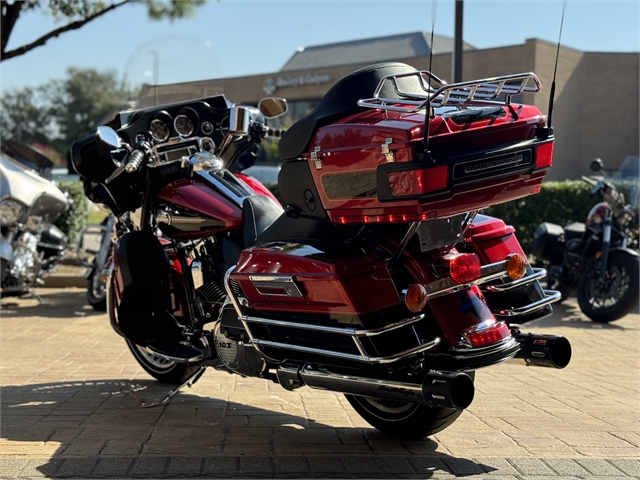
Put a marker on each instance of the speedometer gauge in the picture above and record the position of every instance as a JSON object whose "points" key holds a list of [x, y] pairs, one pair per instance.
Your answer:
{"points": [[183, 125], [159, 130]]}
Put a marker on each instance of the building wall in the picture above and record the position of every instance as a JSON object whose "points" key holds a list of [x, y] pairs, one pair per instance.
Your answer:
{"points": [[595, 113]]}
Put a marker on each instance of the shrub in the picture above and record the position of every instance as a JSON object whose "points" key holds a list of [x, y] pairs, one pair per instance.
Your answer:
{"points": [[73, 220], [558, 202]]}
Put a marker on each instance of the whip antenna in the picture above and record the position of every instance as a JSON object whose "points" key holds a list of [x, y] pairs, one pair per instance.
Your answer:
{"points": [[427, 114], [555, 69]]}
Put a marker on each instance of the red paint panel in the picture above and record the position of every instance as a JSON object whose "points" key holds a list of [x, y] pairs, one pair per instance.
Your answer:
{"points": [[352, 285], [257, 186], [201, 198], [492, 240]]}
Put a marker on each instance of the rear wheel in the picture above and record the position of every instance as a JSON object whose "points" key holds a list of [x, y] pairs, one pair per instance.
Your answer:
{"points": [[612, 298], [403, 419], [163, 370]]}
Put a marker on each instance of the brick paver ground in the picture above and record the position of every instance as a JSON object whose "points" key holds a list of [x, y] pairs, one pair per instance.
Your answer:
{"points": [[67, 411]]}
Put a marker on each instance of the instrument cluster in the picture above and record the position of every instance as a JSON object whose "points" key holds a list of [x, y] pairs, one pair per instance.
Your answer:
{"points": [[181, 129]]}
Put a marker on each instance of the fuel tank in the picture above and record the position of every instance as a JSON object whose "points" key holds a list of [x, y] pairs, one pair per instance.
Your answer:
{"points": [[190, 208]]}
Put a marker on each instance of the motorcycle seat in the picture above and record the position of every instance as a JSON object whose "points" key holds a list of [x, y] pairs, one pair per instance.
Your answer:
{"points": [[574, 230], [341, 101], [259, 213]]}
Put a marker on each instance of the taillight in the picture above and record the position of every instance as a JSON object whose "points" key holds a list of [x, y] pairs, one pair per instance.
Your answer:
{"points": [[544, 155], [461, 267], [418, 181], [486, 333]]}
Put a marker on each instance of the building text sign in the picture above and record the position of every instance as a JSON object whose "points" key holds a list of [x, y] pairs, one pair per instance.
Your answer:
{"points": [[271, 84]]}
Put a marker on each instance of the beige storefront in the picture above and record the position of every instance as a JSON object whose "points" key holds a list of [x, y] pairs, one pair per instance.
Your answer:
{"points": [[597, 104]]}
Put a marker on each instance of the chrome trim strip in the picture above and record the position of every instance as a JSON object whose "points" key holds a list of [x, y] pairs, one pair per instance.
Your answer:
{"points": [[550, 296], [446, 285], [537, 274], [216, 182], [504, 344]]}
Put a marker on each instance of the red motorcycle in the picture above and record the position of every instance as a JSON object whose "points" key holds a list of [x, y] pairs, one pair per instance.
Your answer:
{"points": [[378, 279]]}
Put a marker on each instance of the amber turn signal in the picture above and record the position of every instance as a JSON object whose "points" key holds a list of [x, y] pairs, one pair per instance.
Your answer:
{"points": [[415, 298], [516, 266]]}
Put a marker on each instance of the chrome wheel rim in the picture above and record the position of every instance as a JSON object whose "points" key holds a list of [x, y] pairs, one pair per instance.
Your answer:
{"points": [[153, 361], [606, 293]]}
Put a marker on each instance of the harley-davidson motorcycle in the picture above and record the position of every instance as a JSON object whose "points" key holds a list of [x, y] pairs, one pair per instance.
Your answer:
{"points": [[594, 259], [378, 279], [30, 245]]}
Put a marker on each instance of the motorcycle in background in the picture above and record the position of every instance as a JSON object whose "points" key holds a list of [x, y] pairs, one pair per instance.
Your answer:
{"points": [[30, 245], [94, 252], [593, 258], [378, 280]]}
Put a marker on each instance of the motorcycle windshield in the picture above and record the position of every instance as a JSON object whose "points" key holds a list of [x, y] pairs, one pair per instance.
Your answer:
{"points": [[171, 69], [627, 180]]}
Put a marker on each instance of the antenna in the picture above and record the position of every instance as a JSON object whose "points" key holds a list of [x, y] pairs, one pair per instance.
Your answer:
{"points": [[555, 69], [427, 114]]}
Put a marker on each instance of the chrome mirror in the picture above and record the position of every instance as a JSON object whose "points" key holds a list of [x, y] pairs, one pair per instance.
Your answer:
{"points": [[109, 136], [596, 165], [272, 107]]}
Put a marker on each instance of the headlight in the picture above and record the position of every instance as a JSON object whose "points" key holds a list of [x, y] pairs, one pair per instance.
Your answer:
{"points": [[10, 212]]}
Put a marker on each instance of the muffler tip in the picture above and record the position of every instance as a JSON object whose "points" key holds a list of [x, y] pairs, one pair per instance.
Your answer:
{"points": [[448, 390], [551, 351]]}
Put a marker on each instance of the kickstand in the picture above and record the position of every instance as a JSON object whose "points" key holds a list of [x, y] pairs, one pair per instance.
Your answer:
{"points": [[187, 383], [38, 298]]}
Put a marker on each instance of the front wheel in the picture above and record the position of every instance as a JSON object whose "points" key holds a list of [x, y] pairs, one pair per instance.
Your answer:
{"points": [[97, 291], [403, 419], [163, 370], [612, 298]]}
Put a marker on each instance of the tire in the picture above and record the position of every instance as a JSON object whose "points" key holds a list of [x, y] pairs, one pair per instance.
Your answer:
{"points": [[617, 296], [402, 419], [165, 371], [97, 292]]}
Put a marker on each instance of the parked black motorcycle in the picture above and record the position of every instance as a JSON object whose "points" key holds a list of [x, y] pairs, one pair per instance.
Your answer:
{"points": [[594, 259]]}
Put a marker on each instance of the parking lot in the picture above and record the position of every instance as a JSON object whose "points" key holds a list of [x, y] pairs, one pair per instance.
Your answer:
{"points": [[68, 411]]}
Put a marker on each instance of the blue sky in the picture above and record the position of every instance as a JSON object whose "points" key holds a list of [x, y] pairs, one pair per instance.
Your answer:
{"points": [[236, 37]]}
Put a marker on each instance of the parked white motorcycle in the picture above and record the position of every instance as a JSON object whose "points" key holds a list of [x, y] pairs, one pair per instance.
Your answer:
{"points": [[30, 245]]}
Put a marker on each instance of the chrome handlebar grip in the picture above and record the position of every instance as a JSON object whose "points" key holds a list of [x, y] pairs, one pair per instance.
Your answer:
{"points": [[135, 160]]}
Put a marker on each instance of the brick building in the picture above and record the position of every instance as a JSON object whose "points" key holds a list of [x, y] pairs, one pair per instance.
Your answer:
{"points": [[597, 103]]}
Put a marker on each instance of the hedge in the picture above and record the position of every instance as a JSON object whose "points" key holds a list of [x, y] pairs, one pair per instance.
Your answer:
{"points": [[74, 219], [558, 202]]}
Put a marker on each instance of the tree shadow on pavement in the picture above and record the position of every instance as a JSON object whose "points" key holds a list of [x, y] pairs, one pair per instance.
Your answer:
{"points": [[58, 303], [98, 429]]}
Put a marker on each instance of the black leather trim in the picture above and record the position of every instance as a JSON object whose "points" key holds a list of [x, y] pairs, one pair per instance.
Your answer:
{"points": [[339, 102], [259, 213]]}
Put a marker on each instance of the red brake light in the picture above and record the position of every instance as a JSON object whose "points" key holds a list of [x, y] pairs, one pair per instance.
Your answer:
{"points": [[486, 333], [544, 155], [419, 181], [464, 267]]}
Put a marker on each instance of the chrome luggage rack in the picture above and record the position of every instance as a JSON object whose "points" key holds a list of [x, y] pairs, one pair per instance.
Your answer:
{"points": [[439, 93]]}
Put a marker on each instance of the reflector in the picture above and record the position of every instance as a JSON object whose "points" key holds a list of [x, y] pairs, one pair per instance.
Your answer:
{"points": [[544, 155], [415, 298], [516, 266]]}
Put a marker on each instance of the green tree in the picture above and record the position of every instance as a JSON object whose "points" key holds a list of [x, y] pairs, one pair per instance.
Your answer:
{"points": [[78, 103], [76, 13], [24, 117]]}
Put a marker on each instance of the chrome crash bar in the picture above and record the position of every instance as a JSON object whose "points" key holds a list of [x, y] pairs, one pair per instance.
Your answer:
{"points": [[355, 334]]}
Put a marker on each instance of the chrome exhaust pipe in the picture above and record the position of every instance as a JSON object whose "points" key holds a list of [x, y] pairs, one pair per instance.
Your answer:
{"points": [[551, 351], [438, 389]]}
